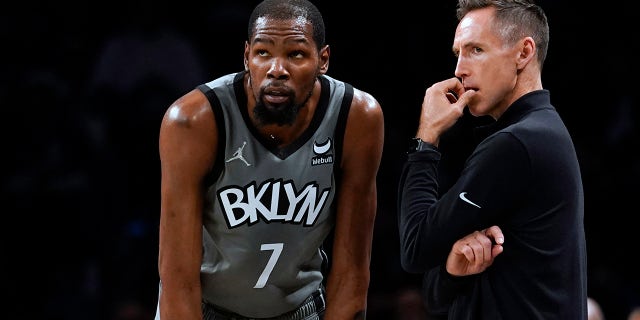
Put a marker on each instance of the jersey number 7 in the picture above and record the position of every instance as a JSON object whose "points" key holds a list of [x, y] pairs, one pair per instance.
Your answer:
{"points": [[277, 250]]}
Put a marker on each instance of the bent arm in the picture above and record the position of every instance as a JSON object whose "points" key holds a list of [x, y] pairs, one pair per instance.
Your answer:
{"points": [[187, 151], [493, 181], [469, 256], [348, 281]]}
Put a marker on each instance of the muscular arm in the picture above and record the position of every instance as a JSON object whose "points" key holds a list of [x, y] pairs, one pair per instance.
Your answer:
{"points": [[187, 151], [348, 280]]}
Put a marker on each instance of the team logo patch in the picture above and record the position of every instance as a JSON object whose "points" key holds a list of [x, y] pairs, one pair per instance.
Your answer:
{"points": [[238, 155], [322, 152]]}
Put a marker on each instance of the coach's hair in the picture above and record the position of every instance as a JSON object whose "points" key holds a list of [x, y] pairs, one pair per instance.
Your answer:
{"points": [[515, 19]]}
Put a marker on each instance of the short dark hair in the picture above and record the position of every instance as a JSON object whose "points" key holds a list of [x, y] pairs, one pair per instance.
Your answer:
{"points": [[515, 19], [290, 9]]}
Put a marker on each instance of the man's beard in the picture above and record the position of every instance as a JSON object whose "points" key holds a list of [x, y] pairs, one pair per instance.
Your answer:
{"points": [[284, 115]]}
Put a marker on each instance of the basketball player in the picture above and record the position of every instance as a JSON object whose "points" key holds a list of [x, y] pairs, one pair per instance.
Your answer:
{"points": [[258, 167]]}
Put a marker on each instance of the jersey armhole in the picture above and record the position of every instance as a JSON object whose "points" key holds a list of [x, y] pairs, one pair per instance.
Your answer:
{"points": [[341, 125], [218, 165]]}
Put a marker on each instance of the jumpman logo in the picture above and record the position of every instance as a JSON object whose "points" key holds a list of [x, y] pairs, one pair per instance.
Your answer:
{"points": [[238, 155]]}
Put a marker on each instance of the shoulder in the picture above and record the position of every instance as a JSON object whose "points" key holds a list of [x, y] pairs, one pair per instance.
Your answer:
{"points": [[365, 125], [191, 111], [188, 136], [363, 139], [365, 106], [362, 103]]}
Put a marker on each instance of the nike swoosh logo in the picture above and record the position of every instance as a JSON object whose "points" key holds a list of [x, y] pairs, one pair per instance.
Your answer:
{"points": [[321, 148], [464, 198]]}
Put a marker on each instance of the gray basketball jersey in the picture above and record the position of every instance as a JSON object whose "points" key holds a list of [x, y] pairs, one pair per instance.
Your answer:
{"points": [[268, 210]]}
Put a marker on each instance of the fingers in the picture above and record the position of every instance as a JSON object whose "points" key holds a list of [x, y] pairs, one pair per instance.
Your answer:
{"points": [[451, 85], [452, 97], [496, 250], [465, 97], [482, 246], [495, 233], [475, 252], [440, 109], [454, 92], [476, 247]]}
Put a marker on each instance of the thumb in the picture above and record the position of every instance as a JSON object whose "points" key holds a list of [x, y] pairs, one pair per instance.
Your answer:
{"points": [[466, 97]]}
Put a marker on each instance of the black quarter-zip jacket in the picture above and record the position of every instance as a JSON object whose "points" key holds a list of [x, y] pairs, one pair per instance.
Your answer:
{"points": [[523, 177]]}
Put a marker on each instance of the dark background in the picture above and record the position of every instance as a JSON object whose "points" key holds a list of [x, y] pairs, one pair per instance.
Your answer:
{"points": [[84, 87]]}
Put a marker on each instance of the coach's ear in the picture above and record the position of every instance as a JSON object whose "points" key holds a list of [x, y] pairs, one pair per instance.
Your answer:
{"points": [[526, 52]]}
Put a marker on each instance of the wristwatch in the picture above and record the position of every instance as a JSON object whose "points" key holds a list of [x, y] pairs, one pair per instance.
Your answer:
{"points": [[416, 144]]}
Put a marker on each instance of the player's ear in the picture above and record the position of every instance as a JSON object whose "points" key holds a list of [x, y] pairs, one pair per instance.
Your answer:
{"points": [[246, 56], [325, 52]]}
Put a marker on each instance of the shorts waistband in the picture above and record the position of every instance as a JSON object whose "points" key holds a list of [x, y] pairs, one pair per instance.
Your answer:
{"points": [[311, 309]]}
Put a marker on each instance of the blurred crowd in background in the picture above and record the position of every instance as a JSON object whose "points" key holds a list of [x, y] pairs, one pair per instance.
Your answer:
{"points": [[84, 86]]}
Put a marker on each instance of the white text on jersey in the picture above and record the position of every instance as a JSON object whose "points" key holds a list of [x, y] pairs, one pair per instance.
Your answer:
{"points": [[243, 204]]}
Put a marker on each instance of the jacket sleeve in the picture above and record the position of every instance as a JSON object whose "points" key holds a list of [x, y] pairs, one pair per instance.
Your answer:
{"points": [[495, 178], [417, 191], [440, 289]]}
